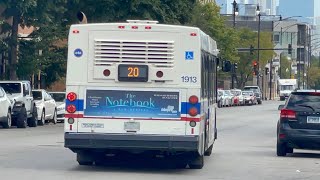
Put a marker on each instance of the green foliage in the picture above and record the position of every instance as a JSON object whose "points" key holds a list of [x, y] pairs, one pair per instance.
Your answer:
{"points": [[207, 18], [285, 66], [313, 73], [245, 68]]}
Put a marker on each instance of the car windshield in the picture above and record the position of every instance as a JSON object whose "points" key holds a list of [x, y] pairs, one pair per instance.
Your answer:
{"points": [[286, 87], [58, 97], [11, 88], [254, 89], [227, 93], [220, 93], [37, 95], [304, 101]]}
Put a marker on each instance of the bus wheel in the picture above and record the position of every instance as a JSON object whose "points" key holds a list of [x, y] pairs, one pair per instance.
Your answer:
{"points": [[197, 162], [84, 158], [208, 152]]}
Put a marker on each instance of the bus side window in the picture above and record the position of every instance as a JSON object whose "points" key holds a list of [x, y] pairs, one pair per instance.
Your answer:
{"points": [[202, 75]]}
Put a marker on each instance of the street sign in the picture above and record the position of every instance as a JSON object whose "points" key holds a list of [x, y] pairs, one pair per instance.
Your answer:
{"points": [[278, 52]]}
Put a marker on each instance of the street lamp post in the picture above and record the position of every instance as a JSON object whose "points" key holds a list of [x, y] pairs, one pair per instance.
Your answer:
{"points": [[235, 13], [258, 60]]}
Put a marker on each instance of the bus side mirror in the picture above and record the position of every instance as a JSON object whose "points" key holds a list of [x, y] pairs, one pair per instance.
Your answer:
{"points": [[82, 17]]}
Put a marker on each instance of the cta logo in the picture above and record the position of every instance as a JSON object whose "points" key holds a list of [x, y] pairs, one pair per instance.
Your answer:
{"points": [[78, 53]]}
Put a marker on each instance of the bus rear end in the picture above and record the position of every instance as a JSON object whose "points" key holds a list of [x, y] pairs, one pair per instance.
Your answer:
{"points": [[133, 87]]}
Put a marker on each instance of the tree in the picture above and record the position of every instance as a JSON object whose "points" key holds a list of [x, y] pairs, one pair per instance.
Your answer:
{"points": [[207, 18], [245, 67], [16, 10], [313, 73], [165, 11], [285, 66]]}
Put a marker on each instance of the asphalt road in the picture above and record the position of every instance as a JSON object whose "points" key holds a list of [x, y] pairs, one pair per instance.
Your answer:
{"points": [[245, 150]]}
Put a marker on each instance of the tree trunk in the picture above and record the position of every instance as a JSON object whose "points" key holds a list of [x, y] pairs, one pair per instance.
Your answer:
{"points": [[14, 47]]}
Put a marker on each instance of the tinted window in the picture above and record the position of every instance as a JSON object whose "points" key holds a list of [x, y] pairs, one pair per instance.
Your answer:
{"points": [[11, 87], [254, 89], [58, 97], [304, 102], [37, 95]]}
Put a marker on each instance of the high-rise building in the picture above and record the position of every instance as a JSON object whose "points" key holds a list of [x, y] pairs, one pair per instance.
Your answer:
{"points": [[225, 5], [272, 6]]}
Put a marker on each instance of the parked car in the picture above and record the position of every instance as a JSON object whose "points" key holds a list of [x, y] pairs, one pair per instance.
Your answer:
{"points": [[249, 98], [299, 123], [5, 109], [225, 99], [229, 97], [46, 107], [24, 111], [238, 97], [257, 92], [60, 98]]}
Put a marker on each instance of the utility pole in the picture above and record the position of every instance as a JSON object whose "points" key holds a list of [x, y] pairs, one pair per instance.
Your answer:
{"points": [[270, 81], [259, 29], [234, 4]]}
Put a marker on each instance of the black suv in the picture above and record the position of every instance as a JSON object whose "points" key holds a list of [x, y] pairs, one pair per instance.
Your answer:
{"points": [[299, 124]]}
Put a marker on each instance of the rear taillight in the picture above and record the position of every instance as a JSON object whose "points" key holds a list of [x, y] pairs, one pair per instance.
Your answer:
{"points": [[72, 96], [193, 99], [287, 113], [193, 111], [71, 108]]}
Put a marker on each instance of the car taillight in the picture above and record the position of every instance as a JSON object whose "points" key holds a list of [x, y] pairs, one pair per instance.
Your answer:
{"points": [[287, 113], [72, 96], [71, 108], [193, 111], [193, 99]]}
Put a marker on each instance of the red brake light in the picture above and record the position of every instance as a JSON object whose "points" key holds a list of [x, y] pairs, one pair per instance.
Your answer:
{"points": [[75, 31], [193, 99], [72, 96], [71, 108], [121, 27], [134, 27], [193, 111], [106, 72], [148, 27], [159, 74], [287, 113], [193, 34]]}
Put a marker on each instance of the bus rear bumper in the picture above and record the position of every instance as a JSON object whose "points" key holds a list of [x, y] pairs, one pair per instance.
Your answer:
{"points": [[90, 141]]}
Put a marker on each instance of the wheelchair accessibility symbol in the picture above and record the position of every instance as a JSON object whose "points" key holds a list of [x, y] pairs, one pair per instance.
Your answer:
{"points": [[189, 55]]}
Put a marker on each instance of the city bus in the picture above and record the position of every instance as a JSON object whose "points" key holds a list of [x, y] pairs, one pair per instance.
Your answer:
{"points": [[141, 87]]}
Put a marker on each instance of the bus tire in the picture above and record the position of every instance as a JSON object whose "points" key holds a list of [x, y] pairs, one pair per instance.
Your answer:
{"points": [[84, 159], [208, 152], [197, 162]]}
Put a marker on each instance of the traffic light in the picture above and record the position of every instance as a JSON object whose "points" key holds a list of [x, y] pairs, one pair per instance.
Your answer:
{"points": [[267, 71], [251, 49], [235, 66], [226, 66], [255, 67], [289, 49]]}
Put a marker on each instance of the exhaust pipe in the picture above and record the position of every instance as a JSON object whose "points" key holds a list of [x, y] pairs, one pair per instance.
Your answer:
{"points": [[82, 18]]}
